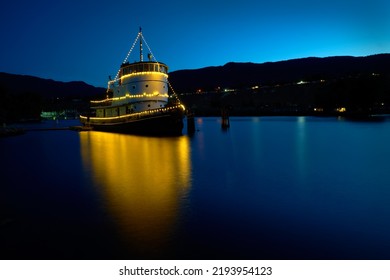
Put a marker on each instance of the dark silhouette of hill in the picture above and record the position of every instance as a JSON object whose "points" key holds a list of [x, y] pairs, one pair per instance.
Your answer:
{"points": [[239, 75], [330, 83], [24, 97], [354, 86], [47, 88]]}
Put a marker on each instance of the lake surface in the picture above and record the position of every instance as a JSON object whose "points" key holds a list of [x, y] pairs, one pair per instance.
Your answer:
{"points": [[266, 188]]}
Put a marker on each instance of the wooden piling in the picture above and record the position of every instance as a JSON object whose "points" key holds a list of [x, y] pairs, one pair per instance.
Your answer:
{"points": [[225, 118], [190, 122]]}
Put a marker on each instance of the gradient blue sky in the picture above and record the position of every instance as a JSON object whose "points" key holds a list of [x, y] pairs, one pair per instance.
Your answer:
{"points": [[80, 40]]}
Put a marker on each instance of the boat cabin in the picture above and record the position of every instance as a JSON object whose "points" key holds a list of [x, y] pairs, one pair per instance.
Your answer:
{"points": [[142, 67]]}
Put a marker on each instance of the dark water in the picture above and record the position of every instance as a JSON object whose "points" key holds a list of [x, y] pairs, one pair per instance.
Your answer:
{"points": [[267, 188]]}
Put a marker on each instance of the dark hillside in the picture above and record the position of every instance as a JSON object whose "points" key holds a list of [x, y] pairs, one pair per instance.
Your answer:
{"points": [[361, 85], [238, 75], [24, 97]]}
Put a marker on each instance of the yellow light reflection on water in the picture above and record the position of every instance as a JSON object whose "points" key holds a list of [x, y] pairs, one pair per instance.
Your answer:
{"points": [[143, 181]]}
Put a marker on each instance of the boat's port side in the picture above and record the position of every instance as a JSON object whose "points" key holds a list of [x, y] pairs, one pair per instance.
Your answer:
{"points": [[90, 120]]}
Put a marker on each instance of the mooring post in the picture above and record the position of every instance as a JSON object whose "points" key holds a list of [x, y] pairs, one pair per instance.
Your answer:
{"points": [[225, 118], [190, 122]]}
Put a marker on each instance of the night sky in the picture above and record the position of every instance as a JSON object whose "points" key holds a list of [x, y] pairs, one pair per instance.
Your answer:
{"points": [[79, 40]]}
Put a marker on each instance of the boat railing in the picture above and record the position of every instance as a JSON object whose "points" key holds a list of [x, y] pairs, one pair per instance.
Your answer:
{"points": [[101, 103], [154, 112], [141, 67], [136, 116]]}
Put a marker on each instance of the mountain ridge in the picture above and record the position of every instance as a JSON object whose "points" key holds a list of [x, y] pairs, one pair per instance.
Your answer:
{"points": [[24, 96], [231, 74], [239, 74], [358, 83], [17, 84]]}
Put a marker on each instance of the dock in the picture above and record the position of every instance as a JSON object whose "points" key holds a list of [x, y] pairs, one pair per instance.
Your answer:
{"points": [[81, 128], [12, 131], [75, 128]]}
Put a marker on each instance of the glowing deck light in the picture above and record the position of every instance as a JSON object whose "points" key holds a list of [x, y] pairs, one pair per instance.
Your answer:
{"points": [[134, 115], [144, 95], [341, 109]]}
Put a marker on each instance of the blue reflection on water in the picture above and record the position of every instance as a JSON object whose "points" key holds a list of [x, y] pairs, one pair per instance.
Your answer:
{"points": [[266, 188], [293, 188]]}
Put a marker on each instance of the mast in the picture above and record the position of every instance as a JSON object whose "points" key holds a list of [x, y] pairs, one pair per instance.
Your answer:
{"points": [[141, 56]]}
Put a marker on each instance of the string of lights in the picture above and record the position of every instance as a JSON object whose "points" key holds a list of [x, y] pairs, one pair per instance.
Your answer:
{"points": [[140, 114], [128, 54], [174, 93], [145, 73], [129, 96], [146, 43], [140, 37]]}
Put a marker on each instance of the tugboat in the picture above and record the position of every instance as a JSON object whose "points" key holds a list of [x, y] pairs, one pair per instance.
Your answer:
{"points": [[137, 100]]}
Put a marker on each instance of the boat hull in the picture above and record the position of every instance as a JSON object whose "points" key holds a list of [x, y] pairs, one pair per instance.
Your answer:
{"points": [[162, 124]]}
